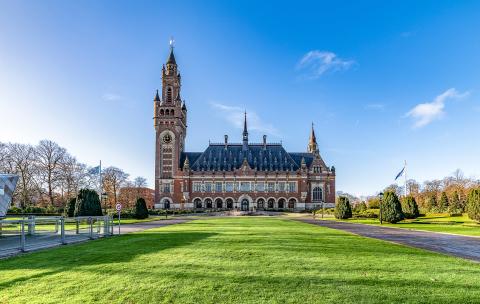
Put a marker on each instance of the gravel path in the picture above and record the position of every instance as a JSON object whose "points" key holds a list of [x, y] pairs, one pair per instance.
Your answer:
{"points": [[456, 245]]}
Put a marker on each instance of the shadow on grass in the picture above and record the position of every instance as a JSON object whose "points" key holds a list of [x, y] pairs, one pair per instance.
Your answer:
{"points": [[103, 251]]}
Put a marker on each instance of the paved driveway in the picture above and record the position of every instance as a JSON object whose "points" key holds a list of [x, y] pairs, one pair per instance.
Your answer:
{"points": [[456, 245]]}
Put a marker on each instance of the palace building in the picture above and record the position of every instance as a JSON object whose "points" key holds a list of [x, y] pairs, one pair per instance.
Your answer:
{"points": [[242, 176]]}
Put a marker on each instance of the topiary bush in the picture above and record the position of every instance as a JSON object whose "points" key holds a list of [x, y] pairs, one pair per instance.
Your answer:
{"points": [[391, 208], [141, 211], [88, 203], [410, 207], [70, 208], [473, 204], [343, 209]]}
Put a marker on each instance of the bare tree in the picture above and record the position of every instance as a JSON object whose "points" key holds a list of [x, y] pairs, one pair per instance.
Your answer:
{"points": [[49, 159], [22, 160], [139, 182], [413, 187], [113, 179]]}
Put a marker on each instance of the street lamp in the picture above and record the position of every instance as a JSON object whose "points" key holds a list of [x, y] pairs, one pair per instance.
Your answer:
{"points": [[380, 195]]}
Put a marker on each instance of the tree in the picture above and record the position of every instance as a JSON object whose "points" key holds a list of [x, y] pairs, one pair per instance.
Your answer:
{"points": [[49, 157], [473, 204], [373, 203], [22, 161], [88, 203], [431, 203], [70, 209], [410, 207], [455, 206], [413, 187], [443, 204], [391, 208], [139, 182], [394, 188], [342, 208], [141, 211], [360, 207], [113, 179]]}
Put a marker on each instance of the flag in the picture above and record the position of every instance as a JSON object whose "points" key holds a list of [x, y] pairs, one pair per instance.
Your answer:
{"points": [[94, 170], [400, 173]]}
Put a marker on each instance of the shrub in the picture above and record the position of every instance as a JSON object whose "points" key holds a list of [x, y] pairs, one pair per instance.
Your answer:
{"points": [[391, 208], [342, 208], [360, 207], [141, 211], [70, 209], [373, 203], [88, 203], [431, 203], [455, 207], [410, 207], [369, 214], [473, 204], [443, 204]]}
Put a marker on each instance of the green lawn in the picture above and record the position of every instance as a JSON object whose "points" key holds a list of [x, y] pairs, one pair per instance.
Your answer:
{"points": [[238, 260], [431, 222]]}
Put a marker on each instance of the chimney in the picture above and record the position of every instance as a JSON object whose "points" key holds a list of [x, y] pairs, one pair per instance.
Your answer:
{"points": [[226, 142], [264, 141]]}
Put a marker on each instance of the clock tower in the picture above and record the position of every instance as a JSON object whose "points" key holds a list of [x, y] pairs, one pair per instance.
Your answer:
{"points": [[170, 122]]}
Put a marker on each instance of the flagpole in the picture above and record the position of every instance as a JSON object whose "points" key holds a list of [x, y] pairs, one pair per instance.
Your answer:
{"points": [[100, 175], [405, 178]]}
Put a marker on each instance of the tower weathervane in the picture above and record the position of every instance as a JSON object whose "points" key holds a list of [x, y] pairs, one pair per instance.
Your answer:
{"points": [[172, 42]]}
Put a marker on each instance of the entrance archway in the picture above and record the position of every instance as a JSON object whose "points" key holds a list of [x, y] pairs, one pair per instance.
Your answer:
{"points": [[198, 203], [281, 203], [208, 203], [244, 206], [229, 202], [291, 203], [260, 204], [218, 203]]}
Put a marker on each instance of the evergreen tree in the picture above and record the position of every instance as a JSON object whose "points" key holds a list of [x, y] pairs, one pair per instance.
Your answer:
{"points": [[88, 203], [70, 209], [391, 208], [141, 211], [342, 208], [443, 204], [455, 206], [410, 207], [473, 204], [431, 203]]}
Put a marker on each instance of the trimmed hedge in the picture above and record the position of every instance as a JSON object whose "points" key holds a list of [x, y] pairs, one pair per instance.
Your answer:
{"points": [[141, 211], [88, 203], [473, 204]]}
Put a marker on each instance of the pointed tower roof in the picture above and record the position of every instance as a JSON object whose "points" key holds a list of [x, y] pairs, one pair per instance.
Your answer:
{"points": [[157, 97], [245, 133], [312, 143], [171, 57]]}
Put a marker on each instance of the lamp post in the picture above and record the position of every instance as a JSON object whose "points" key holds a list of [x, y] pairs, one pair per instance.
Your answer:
{"points": [[380, 195]]}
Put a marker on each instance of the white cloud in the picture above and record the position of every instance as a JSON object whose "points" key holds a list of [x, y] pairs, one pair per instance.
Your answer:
{"points": [[235, 116], [375, 106], [111, 97], [425, 113], [315, 63]]}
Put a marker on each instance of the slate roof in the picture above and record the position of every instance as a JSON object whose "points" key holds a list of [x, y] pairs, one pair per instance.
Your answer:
{"points": [[272, 157]]}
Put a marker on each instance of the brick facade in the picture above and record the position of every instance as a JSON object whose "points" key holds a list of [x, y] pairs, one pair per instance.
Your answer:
{"points": [[244, 176]]}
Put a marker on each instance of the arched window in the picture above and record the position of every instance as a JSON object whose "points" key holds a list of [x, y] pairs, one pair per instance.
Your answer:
{"points": [[198, 203], [208, 203], [229, 203], [169, 94], [261, 203], [281, 203], [162, 112], [167, 112], [291, 203], [219, 203], [271, 203], [317, 194], [172, 112]]}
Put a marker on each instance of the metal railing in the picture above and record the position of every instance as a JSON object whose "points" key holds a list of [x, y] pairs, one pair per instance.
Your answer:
{"points": [[32, 232]]}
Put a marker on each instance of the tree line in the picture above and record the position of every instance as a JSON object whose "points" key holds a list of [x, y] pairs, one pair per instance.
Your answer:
{"points": [[49, 176]]}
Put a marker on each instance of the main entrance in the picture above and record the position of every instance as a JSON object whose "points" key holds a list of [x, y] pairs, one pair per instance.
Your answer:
{"points": [[244, 206]]}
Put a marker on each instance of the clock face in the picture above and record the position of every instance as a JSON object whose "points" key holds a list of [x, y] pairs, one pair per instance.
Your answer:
{"points": [[167, 138]]}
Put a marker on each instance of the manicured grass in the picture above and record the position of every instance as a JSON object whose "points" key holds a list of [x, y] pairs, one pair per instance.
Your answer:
{"points": [[238, 260], [439, 222]]}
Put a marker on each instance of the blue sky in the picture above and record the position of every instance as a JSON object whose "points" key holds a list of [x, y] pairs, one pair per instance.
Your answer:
{"points": [[383, 81]]}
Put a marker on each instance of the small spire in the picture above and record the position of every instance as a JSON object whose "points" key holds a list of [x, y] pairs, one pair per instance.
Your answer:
{"points": [[157, 97], [171, 57], [312, 143], [245, 134]]}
